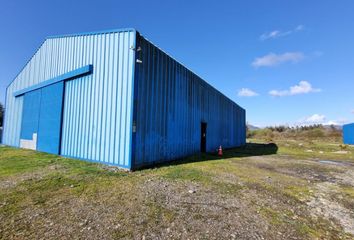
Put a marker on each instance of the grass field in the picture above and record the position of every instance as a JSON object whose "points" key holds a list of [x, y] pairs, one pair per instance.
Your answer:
{"points": [[289, 190]]}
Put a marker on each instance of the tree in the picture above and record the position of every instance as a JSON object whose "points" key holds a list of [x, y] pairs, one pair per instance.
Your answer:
{"points": [[1, 114]]}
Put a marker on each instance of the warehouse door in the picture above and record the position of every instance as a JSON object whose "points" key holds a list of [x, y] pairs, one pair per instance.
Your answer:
{"points": [[30, 117], [41, 119], [49, 127], [203, 137]]}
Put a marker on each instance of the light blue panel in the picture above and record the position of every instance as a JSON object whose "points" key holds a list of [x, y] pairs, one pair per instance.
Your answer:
{"points": [[348, 134], [170, 104], [49, 126], [13, 118], [30, 114], [97, 117]]}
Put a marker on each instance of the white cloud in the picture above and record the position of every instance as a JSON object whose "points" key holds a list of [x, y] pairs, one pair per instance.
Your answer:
{"points": [[302, 88], [277, 93], [340, 121], [315, 118], [277, 33], [246, 92], [320, 119], [273, 34], [353, 111], [310, 120], [299, 28], [273, 59]]}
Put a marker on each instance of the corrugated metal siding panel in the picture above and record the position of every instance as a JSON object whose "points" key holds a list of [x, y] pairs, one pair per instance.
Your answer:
{"points": [[97, 111], [171, 104], [13, 117], [348, 134], [97, 114]]}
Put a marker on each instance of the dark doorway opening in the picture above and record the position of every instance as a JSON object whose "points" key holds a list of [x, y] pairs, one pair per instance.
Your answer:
{"points": [[203, 128]]}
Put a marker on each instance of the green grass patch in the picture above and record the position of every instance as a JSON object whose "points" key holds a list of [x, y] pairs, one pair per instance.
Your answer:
{"points": [[186, 173], [16, 161], [299, 192]]}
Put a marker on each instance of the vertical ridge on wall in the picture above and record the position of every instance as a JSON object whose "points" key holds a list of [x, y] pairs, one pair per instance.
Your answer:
{"points": [[171, 104]]}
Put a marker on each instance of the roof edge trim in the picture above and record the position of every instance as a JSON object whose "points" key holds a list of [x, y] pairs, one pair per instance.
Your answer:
{"points": [[93, 33]]}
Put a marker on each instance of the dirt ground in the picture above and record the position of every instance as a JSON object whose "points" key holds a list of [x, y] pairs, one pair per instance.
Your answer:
{"points": [[288, 190]]}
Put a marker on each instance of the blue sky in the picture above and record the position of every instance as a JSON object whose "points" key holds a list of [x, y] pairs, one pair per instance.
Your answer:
{"points": [[285, 62]]}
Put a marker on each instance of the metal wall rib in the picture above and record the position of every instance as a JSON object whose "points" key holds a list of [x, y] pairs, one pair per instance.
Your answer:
{"points": [[97, 108], [171, 102]]}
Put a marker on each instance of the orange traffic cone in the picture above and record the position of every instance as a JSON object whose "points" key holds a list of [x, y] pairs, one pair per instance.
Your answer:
{"points": [[220, 151]]}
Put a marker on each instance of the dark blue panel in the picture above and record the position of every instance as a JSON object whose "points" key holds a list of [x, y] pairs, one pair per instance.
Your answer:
{"points": [[30, 114], [170, 103], [348, 134], [50, 118]]}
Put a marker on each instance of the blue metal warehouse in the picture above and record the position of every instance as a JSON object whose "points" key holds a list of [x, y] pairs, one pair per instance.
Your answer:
{"points": [[115, 98], [348, 134]]}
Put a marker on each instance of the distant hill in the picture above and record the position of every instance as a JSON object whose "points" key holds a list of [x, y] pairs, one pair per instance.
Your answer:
{"points": [[251, 127], [337, 127]]}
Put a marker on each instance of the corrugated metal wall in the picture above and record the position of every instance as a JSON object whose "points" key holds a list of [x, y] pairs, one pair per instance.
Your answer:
{"points": [[348, 134], [98, 107], [170, 104]]}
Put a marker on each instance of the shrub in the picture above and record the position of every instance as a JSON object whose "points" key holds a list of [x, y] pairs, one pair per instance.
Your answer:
{"points": [[303, 133]]}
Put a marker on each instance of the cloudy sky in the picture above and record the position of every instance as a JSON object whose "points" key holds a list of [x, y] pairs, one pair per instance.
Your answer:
{"points": [[285, 62]]}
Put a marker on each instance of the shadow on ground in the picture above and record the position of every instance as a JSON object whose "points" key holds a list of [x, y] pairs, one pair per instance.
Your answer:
{"points": [[248, 150]]}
